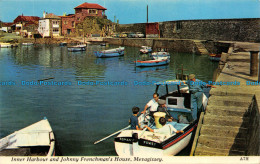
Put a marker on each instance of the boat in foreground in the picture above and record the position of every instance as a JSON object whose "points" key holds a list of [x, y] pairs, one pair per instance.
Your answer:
{"points": [[34, 140], [146, 143], [110, 53], [80, 47], [150, 63]]}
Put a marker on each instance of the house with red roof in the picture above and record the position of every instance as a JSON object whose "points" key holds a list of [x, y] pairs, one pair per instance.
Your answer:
{"points": [[26, 23], [81, 12]]}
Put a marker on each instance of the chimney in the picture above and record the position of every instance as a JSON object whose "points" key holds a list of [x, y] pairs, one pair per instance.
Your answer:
{"points": [[44, 14]]}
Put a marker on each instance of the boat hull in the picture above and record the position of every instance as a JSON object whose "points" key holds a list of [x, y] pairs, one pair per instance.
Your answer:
{"points": [[110, 53], [214, 58], [127, 145], [145, 50], [151, 63], [35, 140], [7, 45], [75, 49], [27, 44]]}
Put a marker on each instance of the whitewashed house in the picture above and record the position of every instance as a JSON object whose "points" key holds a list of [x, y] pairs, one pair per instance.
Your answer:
{"points": [[50, 25]]}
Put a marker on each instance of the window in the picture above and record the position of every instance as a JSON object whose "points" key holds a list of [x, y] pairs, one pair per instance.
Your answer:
{"points": [[178, 25], [73, 24], [55, 30], [92, 11]]}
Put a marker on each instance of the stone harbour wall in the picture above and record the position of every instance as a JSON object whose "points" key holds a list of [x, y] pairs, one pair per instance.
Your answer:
{"points": [[245, 30], [253, 137], [219, 29]]}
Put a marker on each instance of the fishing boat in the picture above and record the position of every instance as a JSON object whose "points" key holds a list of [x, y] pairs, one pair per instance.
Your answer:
{"points": [[142, 142], [110, 53], [150, 63], [27, 44], [79, 47], [34, 140], [145, 49], [214, 57]]}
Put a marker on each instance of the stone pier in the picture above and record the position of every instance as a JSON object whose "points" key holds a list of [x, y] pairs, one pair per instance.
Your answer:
{"points": [[231, 123]]}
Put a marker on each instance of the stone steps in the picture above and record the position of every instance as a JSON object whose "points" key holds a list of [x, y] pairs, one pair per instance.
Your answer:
{"points": [[201, 48], [224, 131], [230, 101], [227, 110], [202, 150], [237, 144], [234, 121]]}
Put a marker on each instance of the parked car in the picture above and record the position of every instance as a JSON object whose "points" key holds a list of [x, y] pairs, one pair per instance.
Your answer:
{"points": [[123, 35], [131, 35], [115, 35], [139, 35]]}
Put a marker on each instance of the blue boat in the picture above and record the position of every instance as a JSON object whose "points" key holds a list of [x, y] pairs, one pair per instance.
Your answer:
{"points": [[151, 63], [110, 53]]}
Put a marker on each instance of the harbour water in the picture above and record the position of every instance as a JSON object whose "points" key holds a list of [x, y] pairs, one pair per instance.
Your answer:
{"points": [[84, 98]]}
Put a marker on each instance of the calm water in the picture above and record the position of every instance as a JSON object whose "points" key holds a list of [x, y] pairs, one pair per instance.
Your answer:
{"points": [[81, 114]]}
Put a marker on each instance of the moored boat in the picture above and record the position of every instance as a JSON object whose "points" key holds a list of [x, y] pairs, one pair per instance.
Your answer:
{"points": [[145, 49], [161, 52], [214, 57], [35, 140], [141, 142], [27, 44], [151, 63], [110, 53], [8, 45], [63, 44], [80, 47]]}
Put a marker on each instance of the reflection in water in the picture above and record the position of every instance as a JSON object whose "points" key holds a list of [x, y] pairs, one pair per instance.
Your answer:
{"points": [[82, 114]]}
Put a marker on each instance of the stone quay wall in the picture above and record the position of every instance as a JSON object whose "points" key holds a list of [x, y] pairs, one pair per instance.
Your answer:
{"points": [[245, 30], [253, 137]]}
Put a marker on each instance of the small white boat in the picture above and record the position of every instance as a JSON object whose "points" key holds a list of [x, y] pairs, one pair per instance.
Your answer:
{"points": [[81, 47], [110, 53], [34, 140], [27, 44], [146, 143], [145, 49], [160, 54], [8, 45]]}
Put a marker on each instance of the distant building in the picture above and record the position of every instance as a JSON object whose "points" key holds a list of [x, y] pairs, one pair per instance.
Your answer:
{"points": [[50, 25], [6, 27], [152, 30], [29, 23], [81, 12]]}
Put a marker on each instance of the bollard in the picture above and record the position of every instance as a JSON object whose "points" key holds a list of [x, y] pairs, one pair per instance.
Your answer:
{"points": [[254, 63]]}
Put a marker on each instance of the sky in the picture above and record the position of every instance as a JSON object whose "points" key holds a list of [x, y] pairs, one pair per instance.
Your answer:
{"points": [[134, 11]]}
